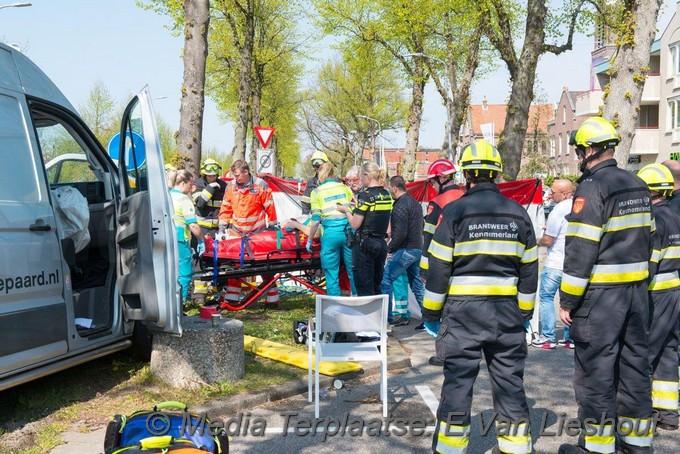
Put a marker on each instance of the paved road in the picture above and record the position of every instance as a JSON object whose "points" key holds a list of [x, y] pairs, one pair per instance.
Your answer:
{"points": [[413, 396]]}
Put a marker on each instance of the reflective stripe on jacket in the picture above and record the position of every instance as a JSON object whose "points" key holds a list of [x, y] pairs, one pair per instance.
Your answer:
{"points": [[484, 246], [434, 212], [325, 198], [608, 239], [183, 214]]}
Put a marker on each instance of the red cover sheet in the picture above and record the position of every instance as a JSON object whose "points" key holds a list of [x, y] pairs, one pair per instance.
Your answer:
{"points": [[261, 244]]}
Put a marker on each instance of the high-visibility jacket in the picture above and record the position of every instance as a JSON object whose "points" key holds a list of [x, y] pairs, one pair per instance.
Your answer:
{"points": [[324, 200], [208, 200], [247, 207], [609, 237], [183, 214], [665, 262], [432, 218], [484, 246]]}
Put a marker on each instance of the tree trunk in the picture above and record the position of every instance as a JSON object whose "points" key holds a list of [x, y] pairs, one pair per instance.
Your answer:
{"points": [[628, 71], [415, 113], [189, 137], [246, 54], [256, 115], [523, 75]]}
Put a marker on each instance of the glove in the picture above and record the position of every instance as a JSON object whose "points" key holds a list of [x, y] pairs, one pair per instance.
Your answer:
{"points": [[200, 248], [215, 185], [309, 246], [432, 327]]}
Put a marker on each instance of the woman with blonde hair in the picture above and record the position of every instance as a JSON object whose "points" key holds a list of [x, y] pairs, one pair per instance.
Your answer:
{"points": [[186, 223], [370, 220], [326, 200]]}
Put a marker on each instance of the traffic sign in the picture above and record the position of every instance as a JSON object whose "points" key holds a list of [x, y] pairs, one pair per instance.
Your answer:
{"points": [[265, 160], [140, 150], [264, 135]]}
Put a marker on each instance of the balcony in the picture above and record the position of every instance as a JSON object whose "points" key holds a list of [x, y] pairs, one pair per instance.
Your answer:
{"points": [[588, 103], [646, 141], [651, 93]]}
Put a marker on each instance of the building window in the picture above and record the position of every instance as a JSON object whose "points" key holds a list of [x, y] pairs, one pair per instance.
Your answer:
{"points": [[552, 147], [674, 61], [564, 114], [559, 151], [567, 147], [673, 114]]}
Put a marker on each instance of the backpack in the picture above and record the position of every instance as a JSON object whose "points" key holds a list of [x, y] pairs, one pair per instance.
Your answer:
{"points": [[163, 430]]}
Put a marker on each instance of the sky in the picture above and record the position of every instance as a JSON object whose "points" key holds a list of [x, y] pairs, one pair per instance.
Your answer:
{"points": [[79, 42]]}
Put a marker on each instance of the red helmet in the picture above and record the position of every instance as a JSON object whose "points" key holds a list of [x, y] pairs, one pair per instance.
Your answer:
{"points": [[442, 168]]}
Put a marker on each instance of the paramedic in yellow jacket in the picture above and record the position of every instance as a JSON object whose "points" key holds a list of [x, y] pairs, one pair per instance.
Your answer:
{"points": [[247, 207], [184, 217], [481, 284], [325, 199]]}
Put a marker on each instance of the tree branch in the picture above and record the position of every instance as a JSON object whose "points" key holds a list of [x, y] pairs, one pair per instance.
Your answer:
{"points": [[572, 26]]}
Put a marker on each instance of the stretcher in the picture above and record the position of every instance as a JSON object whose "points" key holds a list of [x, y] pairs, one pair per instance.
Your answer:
{"points": [[270, 254]]}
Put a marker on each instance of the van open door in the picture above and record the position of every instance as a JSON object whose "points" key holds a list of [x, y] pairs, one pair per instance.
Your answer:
{"points": [[145, 241]]}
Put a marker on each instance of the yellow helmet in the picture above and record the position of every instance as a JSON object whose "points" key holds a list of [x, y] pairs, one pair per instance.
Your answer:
{"points": [[596, 131], [657, 177], [318, 158], [481, 155], [211, 167]]}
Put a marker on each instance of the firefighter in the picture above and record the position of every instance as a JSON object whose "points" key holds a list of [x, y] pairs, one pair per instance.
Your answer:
{"points": [[483, 273], [208, 196], [318, 158], [246, 208], [603, 296], [664, 294], [370, 219], [442, 173]]}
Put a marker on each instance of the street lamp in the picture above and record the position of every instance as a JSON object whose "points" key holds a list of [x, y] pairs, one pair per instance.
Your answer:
{"points": [[449, 94], [382, 142], [16, 5]]}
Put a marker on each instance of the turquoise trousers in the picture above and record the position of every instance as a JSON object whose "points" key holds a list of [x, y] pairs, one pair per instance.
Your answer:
{"points": [[185, 271], [333, 249]]}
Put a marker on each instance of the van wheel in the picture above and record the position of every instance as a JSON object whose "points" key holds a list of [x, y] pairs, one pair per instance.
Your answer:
{"points": [[141, 342]]}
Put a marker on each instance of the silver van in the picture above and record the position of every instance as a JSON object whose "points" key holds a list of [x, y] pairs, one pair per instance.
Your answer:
{"points": [[62, 305]]}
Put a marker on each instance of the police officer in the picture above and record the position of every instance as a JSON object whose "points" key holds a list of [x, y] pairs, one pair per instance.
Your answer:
{"points": [[318, 158], [370, 220], [603, 296], [664, 293], [483, 273], [442, 173], [208, 196]]}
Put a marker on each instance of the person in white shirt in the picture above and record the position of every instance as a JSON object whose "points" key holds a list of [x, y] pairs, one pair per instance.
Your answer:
{"points": [[553, 237]]}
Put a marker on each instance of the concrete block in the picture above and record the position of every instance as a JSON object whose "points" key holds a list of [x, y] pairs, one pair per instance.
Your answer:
{"points": [[204, 354]]}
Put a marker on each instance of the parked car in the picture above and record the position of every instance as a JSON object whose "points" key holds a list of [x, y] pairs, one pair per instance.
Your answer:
{"points": [[60, 307]]}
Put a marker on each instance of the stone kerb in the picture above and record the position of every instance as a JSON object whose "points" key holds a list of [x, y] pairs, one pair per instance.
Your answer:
{"points": [[204, 354]]}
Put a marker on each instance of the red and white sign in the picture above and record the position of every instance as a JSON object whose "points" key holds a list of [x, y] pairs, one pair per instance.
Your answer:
{"points": [[264, 135]]}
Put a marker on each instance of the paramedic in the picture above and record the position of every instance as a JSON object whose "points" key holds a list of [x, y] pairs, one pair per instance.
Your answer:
{"points": [[246, 208], [603, 296], [208, 196], [318, 158], [325, 199], [370, 220], [664, 295], [185, 224], [482, 284]]}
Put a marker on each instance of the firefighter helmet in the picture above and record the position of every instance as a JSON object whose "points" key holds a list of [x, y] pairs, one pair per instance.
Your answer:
{"points": [[210, 167], [596, 131], [442, 168], [657, 177], [318, 158], [481, 155]]}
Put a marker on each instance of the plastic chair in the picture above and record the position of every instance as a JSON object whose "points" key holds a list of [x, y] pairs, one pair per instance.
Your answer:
{"points": [[338, 314]]}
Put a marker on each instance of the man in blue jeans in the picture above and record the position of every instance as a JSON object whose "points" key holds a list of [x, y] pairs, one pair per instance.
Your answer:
{"points": [[405, 247], [553, 237]]}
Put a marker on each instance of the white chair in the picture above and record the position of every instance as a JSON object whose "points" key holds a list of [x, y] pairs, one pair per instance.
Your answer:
{"points": [[338, 314]]}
